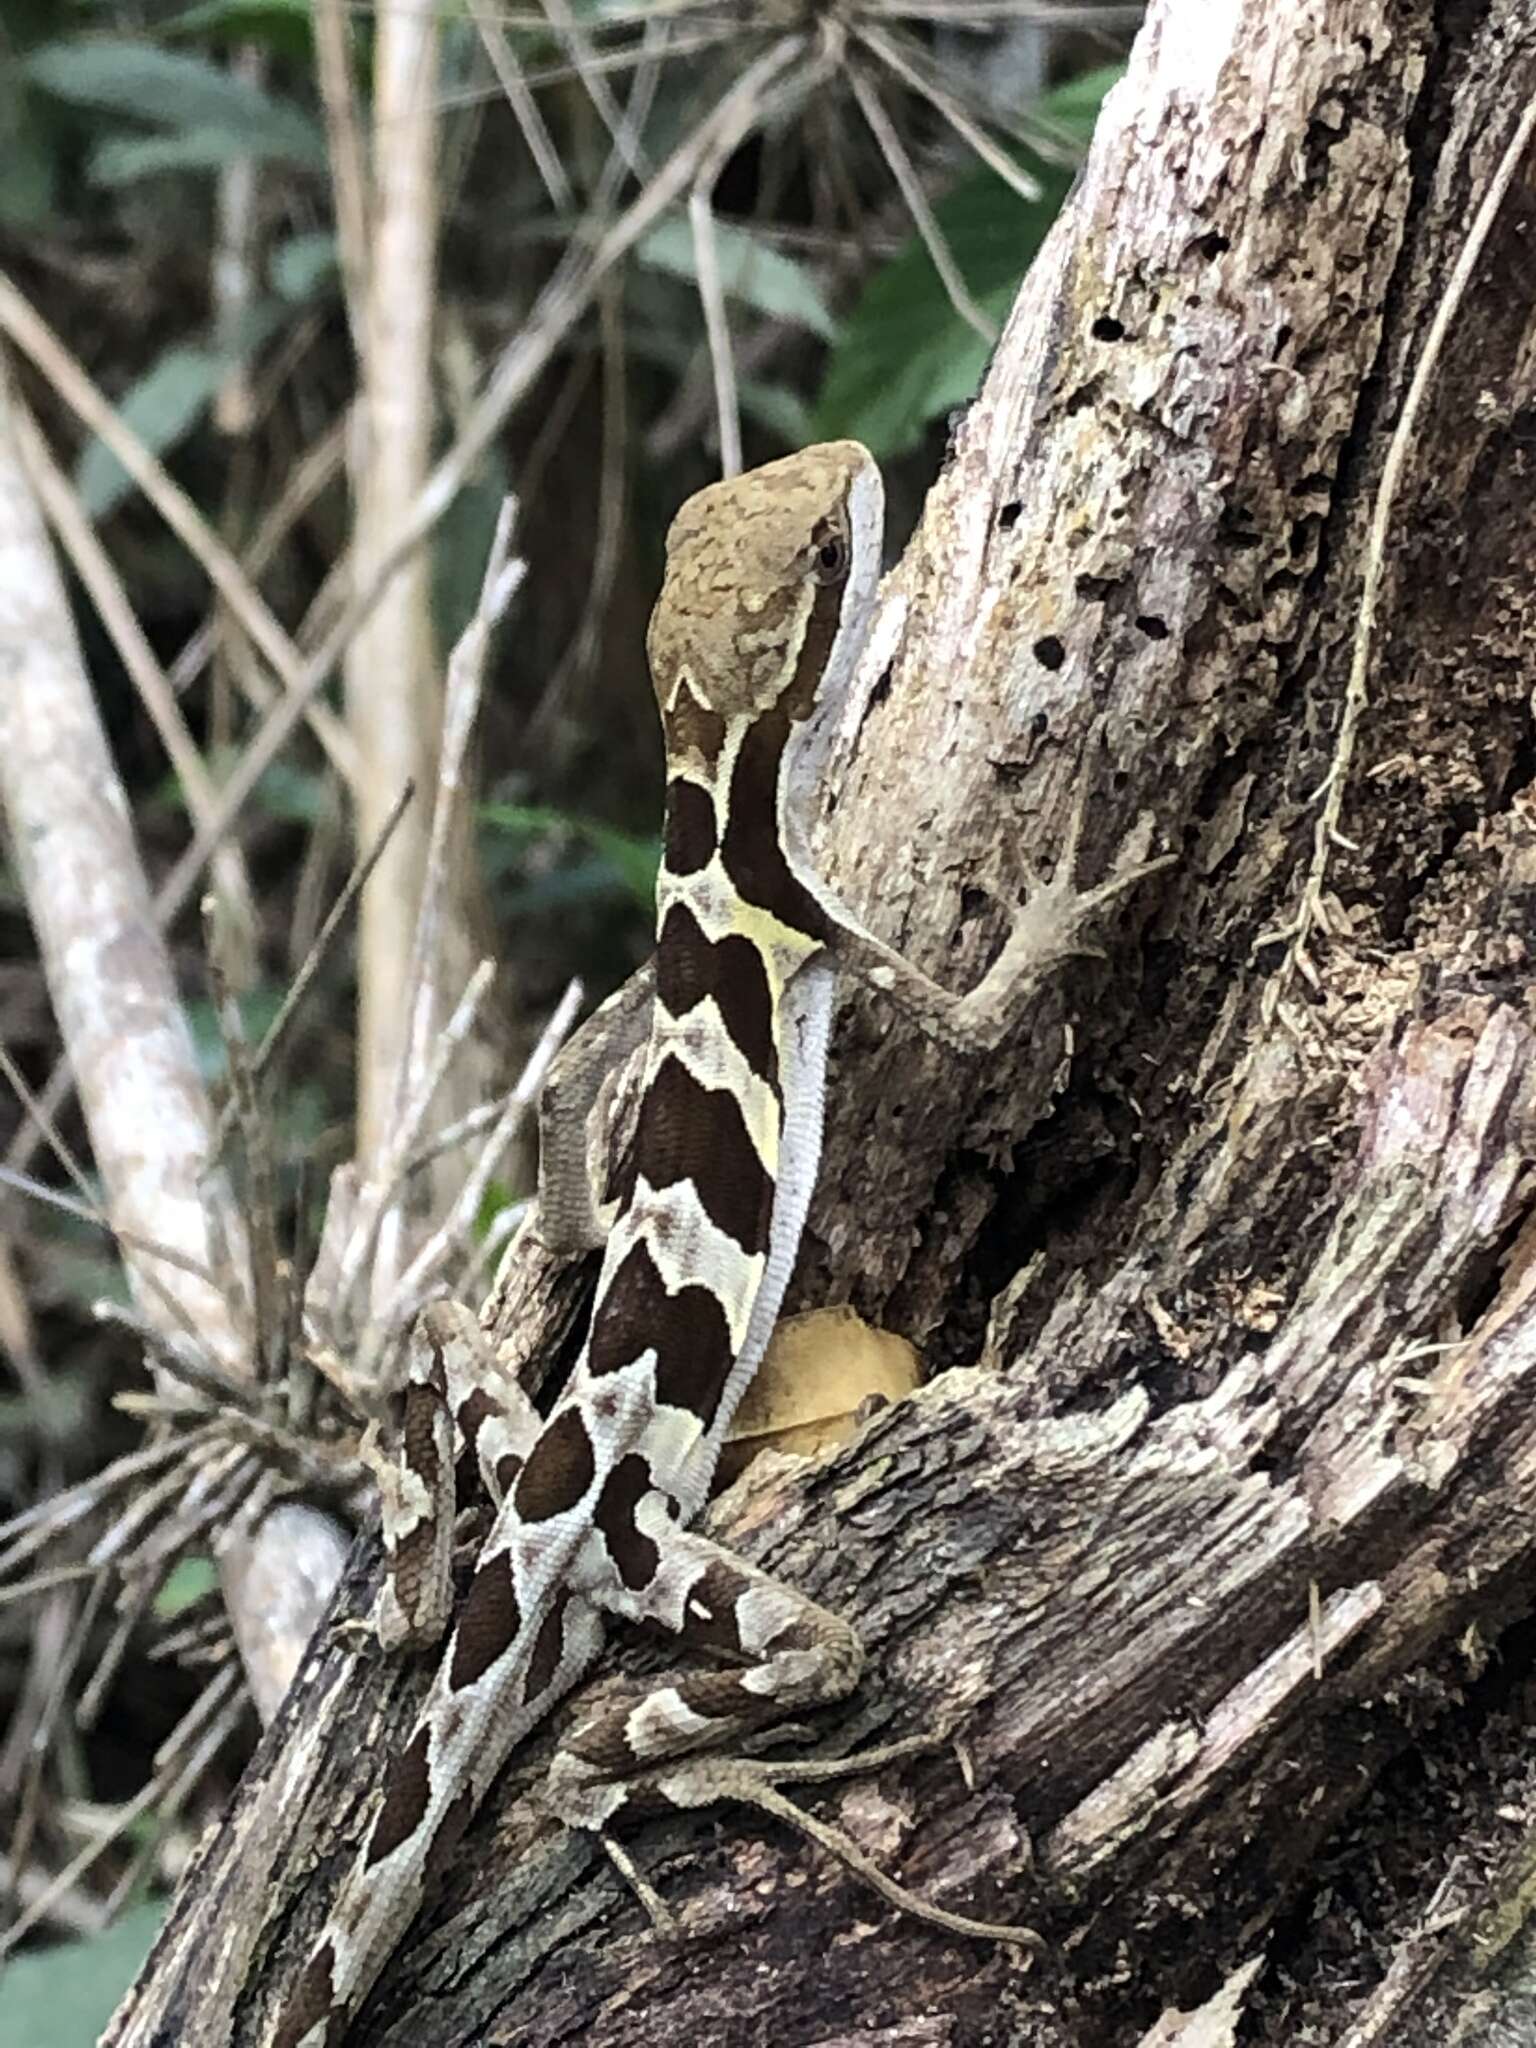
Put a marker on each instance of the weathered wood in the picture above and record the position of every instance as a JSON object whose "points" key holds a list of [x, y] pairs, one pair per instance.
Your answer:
{"points": [[1231, 1258]]}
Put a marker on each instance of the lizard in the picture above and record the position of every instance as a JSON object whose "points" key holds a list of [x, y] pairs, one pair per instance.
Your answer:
{"points": [[754, 644]]}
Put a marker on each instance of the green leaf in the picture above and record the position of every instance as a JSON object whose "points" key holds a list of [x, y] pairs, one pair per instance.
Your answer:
{"points": [[188, 1580], [630, 862], [165, 404], [282, 26], [905, 356], [63, 1997], [297, 796], [120, 159], [497, 1196], [303, 264], [162, 407], [1075, 105], [27, 163], [750, 270], [182, 93], [775, 406], [462, 545]]}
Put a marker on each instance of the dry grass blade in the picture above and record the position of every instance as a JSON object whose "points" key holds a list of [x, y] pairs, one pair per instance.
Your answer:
{"points": [[453, 1135], [256, 1189], [607, 62], [89, 1212], [911, 188], [377, 1207], [146, 1505], [317, 467], [1310, 914], [45, 1581], [717, 325], [53, 1624], [43, 348], [570, 33], [456, 1226], [143, 1801], [201, 1635], [890, 53], [38, 1114], [348, 158], [46, 1519], [277, 1030], [222, 1706], [562, 302], [461, 704], [425, 1053], [525, 108], [133, 1604], [615, 20], [963, 13], [607, 549], [60, 1679], [185, 1361]]}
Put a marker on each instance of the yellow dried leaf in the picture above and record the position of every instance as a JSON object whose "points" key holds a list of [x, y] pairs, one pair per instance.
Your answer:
{"points": [[819, 1367]]}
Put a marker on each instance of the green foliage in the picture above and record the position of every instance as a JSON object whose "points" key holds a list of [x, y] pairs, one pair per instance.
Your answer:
{"points": [[304, 265], [297, 796], [751, 270], [28, 162], [497, 1197], [905, 355], [257, 1009], [189, 1579], [624, 863], [63, 1997], [462, 545], [163, 406], [281, 26], [210, 115]]}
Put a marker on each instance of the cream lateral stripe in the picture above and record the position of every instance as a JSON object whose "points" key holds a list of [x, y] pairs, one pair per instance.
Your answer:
{"points": [[712, 776], [715, 901], [754, 645], [688, 1250]]}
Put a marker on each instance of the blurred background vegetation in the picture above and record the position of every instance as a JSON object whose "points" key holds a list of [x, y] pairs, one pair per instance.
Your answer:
{"points": [[174, 204]]}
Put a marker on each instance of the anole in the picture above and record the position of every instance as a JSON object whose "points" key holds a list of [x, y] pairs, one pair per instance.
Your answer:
{"points": [[754, 644]]}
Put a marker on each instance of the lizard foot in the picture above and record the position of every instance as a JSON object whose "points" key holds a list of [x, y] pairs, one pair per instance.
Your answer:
{"points": [[1048, 925], [707, 1781]]}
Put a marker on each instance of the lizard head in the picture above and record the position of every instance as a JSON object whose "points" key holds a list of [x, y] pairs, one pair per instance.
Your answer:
{"points": [[769, 584]]}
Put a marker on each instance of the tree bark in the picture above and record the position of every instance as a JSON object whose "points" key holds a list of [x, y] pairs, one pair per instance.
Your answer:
{"points": [[1225, 1271]]}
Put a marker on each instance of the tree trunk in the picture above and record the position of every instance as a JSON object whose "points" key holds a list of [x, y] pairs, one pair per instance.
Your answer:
{"points": [[1222, 1486]]}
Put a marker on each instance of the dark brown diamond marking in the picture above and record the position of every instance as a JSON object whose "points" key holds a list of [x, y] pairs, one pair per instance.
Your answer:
{"points": [[634, 1554], [407, 1789], [313, 2000], [559, 1469], [689, 829], [488, 1623], [548, 1649]]}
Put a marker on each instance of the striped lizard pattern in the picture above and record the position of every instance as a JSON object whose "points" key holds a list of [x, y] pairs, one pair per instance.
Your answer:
{"points": [[753, 646]]}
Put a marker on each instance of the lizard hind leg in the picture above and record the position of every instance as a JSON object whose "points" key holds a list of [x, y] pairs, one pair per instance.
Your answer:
{"points": [[790, 1655], [704, 1781], [649, 1750]]}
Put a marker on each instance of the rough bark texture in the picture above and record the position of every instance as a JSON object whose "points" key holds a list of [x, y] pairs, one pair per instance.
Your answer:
{"points": [[1204, 1530]]}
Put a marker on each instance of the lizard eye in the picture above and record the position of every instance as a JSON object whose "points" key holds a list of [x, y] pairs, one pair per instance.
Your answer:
{"points": [[832, 559]]}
